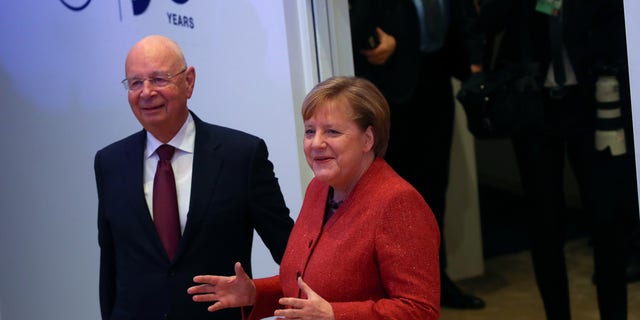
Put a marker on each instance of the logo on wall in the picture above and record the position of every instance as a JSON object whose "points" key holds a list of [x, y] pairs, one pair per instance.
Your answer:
{"points": [[77, 7], [139, 7]]}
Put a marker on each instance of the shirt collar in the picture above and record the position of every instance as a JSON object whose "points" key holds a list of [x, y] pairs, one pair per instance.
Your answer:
{"points": [[184, 140]]}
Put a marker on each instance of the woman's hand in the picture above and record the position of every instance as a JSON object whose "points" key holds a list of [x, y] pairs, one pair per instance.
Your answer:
{"points": [[380, 54], [227, 292], [312, 308]]}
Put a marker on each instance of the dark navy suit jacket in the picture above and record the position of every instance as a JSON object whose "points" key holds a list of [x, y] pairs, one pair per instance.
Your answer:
{"points": [[234, 191]]}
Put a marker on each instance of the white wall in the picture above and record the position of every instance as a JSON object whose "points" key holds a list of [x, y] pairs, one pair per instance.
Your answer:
{"points": [[463, 234], [631, 13]]}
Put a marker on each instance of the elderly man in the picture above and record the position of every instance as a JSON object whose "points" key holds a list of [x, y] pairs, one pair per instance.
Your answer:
{"points": [[180, 197]]}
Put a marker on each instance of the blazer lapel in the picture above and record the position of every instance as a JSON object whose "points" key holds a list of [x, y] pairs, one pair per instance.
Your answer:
{"points": [[207, 165], [132, 174]]}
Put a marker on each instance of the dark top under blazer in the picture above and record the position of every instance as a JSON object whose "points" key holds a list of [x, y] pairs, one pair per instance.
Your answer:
{"points": [[234, 190]]}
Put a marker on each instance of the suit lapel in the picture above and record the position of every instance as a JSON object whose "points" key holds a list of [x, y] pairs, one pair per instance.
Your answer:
{"points": [[132, 174], [207, 165]]}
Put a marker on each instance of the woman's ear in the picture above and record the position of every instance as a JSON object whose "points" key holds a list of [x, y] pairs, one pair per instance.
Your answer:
{"points": [[369, 139]]}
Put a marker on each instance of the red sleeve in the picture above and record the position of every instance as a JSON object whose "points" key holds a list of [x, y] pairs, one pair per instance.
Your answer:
{"points": [[268, 292]]}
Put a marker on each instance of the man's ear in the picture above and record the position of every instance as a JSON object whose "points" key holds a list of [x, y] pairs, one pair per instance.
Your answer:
{"points": [[190, 78]]}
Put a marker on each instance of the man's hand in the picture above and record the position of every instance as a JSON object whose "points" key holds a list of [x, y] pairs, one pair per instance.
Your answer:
{"points": [[380, 54]]}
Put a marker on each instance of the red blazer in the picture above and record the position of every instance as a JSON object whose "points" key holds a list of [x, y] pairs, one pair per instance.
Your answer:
{"points": [[376, 257]]}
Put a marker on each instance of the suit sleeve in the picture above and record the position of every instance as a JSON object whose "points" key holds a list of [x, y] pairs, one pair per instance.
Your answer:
{"points": [[366, 15], [494, 15], [270, 214], [465, 16], [107, 279]]}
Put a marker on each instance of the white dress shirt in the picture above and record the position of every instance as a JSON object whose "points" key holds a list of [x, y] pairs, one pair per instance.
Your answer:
{"points": [[182, 164]]}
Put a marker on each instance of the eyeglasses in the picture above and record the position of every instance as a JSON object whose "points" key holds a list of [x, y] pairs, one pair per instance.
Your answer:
{"points": [[157, 81]]}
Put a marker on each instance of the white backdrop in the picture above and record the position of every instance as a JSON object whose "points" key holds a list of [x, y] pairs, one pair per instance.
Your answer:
{"points": [[60, 73], [631, 13]]}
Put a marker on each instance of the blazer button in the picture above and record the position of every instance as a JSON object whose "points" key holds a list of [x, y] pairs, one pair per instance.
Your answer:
{"points": [[165, 317], [171, 274]]}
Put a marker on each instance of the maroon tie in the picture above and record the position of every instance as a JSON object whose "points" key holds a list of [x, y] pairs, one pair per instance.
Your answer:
{"points": [[165, 201]]}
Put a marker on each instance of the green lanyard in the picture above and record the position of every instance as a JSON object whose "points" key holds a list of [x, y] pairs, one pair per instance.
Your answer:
{"points": [[550, 7]]}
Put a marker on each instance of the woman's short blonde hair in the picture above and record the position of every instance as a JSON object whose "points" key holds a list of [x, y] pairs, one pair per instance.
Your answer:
{"points": [[368, 106]]}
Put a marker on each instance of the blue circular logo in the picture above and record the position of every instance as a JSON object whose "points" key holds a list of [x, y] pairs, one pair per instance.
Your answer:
{"points": [[75, 7]]}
